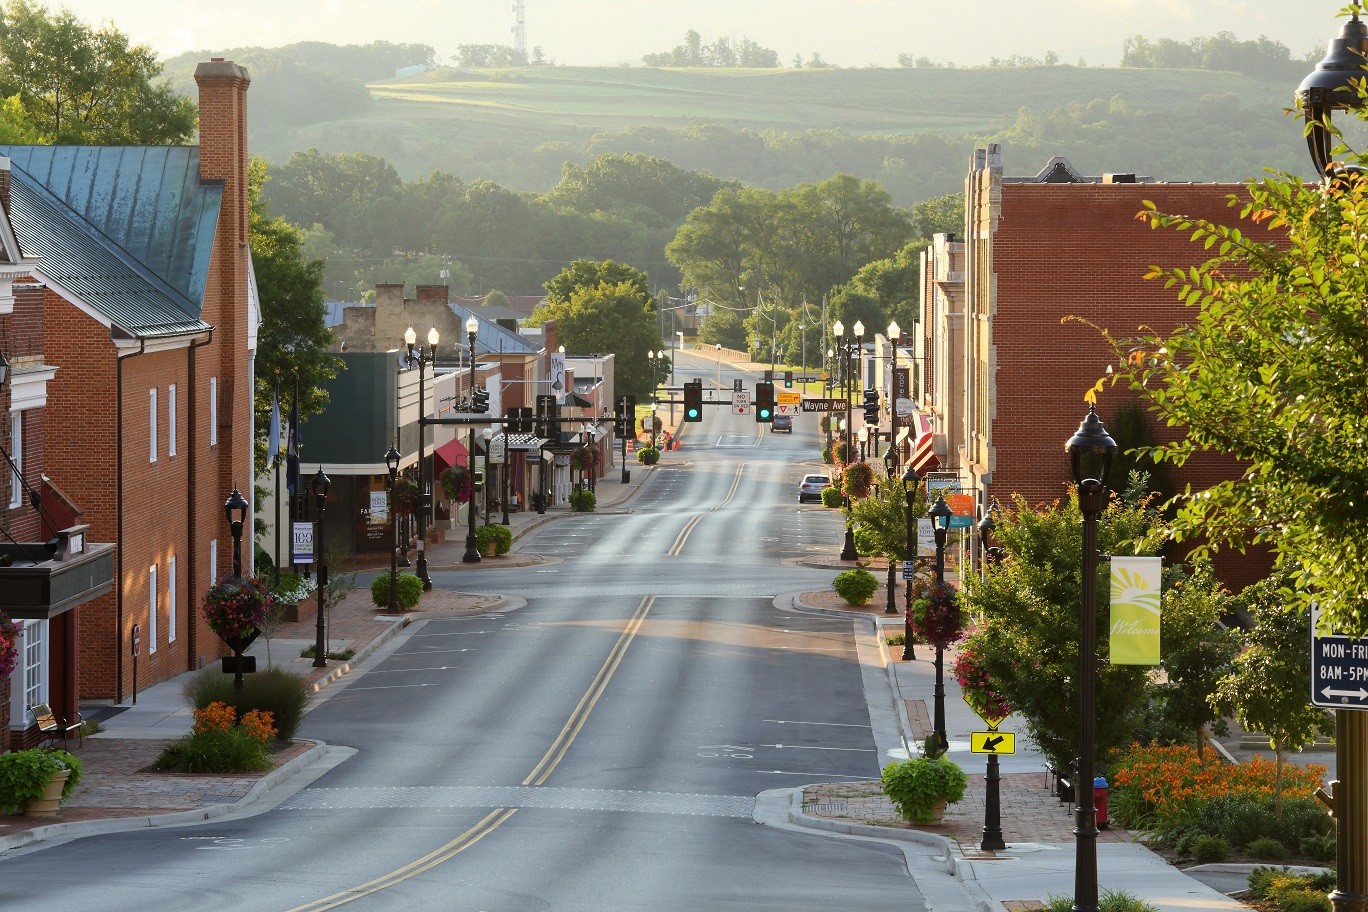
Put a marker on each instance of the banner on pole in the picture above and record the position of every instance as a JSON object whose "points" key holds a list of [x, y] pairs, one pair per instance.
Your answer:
{"points": [[1135, 598]]}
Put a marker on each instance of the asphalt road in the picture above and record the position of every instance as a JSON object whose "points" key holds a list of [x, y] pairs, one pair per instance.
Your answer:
{"points": [[599, 748]]}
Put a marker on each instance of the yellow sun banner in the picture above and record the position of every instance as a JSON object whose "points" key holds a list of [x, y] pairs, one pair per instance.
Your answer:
{"points": [[1135, 591]]}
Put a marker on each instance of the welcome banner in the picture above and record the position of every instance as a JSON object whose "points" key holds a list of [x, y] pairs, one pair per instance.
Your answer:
{"points": [[1135, 591]]}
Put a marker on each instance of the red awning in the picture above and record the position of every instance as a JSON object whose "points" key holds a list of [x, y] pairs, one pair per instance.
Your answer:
{"points": [[450, 454]]}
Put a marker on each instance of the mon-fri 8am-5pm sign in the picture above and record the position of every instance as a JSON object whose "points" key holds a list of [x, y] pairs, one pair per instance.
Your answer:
{"points": [[1339, 669]]}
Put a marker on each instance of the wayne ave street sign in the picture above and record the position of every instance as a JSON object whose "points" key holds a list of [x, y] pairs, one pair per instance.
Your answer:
{"points": [[1339, 670], [824, 405]]}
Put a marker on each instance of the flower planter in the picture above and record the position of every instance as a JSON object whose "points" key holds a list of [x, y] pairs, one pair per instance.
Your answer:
{"points": [[47, 805], [491, 549], [300, 611]]}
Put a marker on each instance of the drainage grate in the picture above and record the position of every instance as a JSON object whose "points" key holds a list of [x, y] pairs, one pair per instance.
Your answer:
{"points": [[220, 799], [831, 807]]}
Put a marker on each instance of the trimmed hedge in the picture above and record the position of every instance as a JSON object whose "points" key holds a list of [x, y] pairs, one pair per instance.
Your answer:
{"points": [[410, 590]]}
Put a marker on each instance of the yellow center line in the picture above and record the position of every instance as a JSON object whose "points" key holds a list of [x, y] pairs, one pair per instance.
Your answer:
{"points": [[540, 773], [683, 536]]}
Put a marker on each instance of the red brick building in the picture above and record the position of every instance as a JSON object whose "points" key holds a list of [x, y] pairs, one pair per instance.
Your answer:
{"points": [[149, 315]]}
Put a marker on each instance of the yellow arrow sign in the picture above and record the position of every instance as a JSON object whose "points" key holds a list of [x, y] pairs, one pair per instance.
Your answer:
{"points": [[992, 742]]}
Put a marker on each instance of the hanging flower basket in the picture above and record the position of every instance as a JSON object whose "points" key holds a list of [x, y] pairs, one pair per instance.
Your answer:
{"points": [[935, 613], [978, 688], [584, 459], [458, 483], [235, 609], [405, 495], [9, 645], [857, 479]]}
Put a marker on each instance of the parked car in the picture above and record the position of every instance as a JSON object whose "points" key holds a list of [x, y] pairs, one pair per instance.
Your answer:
{"points": [[782, 423], [810, 488]]}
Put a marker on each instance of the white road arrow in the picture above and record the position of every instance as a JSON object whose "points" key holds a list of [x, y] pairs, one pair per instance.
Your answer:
{"points": [[1359, 694]]}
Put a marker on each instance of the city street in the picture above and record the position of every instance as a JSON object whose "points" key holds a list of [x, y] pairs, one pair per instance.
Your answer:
{"points": [[600, 747]]}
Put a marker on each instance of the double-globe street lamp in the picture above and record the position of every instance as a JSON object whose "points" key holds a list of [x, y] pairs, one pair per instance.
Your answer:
{"points": [[472, 548], [992, 840], [424, 482], [392, 467], [848, 352], [236, 509], [894, 340], [320, 490], [1090, 456]]}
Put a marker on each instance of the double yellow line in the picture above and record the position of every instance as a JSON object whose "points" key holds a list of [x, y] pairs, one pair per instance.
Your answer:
{"points": [[540, 773], [683, 536]]}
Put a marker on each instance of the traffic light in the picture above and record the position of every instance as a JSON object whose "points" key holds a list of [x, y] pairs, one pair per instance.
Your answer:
{"points": [[546, 409], [479, 400], [871, 406], [518, 420], [764, 402], [788, 379], [693, 400], [624, 416]]}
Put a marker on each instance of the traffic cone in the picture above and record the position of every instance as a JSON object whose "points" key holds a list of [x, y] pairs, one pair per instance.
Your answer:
{"points": [[631, 445]]}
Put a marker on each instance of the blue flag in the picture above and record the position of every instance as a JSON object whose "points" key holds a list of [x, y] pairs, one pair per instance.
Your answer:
{"points": [[273, 441], [292, 449]]}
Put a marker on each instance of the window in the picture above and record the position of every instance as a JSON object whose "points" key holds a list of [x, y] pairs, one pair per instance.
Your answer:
{"points": [[213, 561], [213, 411], [171, 599], [152, 609], [17, 454], [33, 653], [171, 420], [152, 425]]}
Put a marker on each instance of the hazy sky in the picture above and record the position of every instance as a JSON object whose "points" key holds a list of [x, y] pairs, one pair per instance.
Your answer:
{"points": [[846, 32]]}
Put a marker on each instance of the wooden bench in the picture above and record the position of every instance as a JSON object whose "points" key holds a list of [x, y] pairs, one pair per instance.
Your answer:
{"points": [[53, 726]]}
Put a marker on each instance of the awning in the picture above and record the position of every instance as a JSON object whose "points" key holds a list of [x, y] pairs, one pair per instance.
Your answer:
{"points": [[516, 442], [451, 454], [77, 573]]}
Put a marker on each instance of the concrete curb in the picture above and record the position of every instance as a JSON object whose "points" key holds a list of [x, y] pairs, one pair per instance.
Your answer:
{"points": [[80, 828]]}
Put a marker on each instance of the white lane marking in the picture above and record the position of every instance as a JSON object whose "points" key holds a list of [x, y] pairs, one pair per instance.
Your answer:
{"points": [[355, 687], [377, 671], [798, 722], [801, 747], [823, 776]]}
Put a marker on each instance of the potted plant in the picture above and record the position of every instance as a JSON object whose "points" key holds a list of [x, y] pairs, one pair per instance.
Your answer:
{"points": [[648, 455], [405, 495], [9, 645], [979, 689], [857, 478], [921, 787], [235, 609], [288, 593], [584, 459], [493, 540], [457, 483], [935, 612], [37, 781]]}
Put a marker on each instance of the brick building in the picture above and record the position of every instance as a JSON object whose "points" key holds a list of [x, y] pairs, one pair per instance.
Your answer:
{"points": [[1004, 364], [143, 271]]}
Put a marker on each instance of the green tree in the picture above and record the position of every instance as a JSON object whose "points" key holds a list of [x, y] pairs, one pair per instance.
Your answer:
{"points": [[608, 317], [1270, 366], [88, 86], [294, 341], [589, 275], [1265, 687], [883, 516], [1029, 634]]}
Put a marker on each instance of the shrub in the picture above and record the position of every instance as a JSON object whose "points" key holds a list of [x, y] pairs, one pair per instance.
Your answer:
{"points": [[1265, 882], [896, 639], [1209, 849], [215, 751], [409, 590], [832, 497], [501, 536], [916, 785], [1266, 848], [278, 691], [1109, 901], [856, 586], [648, 455], [582, 500], [1301, 899], [866, 541], [341, 655], [1242, 818], [1321, 848], [25, 774], [291, 589]]}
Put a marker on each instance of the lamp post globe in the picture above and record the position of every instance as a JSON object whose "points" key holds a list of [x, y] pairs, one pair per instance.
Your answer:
{"points": [[320, 485], [235, 507], [1330, 87], [1090, 451]]}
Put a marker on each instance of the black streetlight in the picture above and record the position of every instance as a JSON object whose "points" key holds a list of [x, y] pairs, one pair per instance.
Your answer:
{"points": [[892, 604], [392, 465], [828, 368], [911, 490], [992, 800], [940, 514], [472, 548], [1090, 455], [894, 340], [424, 483], [1330, 87], [1324, 91], [848, 350], [320, 490], [235, 507]]}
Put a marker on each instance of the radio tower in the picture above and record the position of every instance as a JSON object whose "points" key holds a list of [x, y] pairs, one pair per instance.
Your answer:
{"points": [[520, 27]]}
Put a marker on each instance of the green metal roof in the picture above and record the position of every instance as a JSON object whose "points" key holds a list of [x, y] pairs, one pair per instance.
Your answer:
{"points": [[128, 230]]}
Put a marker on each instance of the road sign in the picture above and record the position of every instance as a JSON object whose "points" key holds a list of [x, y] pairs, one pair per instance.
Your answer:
{"points": [[908, 568], [1339, 669], [740, 402], [787, 409], [788, 398], [824, 405], [992, 742], [807, 379]]}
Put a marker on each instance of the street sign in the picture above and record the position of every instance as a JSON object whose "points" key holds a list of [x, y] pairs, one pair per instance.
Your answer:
{"points": [[787, 409], [1339, 669], [788, 398], [740, 402], [824, 405], [807, 379], [992, 742], [908, 568]]}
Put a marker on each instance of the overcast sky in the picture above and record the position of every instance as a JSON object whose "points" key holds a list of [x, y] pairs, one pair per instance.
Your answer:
{"points": [[846, 32]]}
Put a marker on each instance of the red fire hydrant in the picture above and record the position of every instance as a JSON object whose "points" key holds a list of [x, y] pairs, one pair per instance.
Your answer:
{"points": [[1100, 801]]}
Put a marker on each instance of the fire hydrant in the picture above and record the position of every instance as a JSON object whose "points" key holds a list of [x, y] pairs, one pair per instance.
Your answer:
{"points": [[1100, 801]]}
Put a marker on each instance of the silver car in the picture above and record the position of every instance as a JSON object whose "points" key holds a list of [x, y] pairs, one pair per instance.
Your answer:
{"points": [[810, 488]]}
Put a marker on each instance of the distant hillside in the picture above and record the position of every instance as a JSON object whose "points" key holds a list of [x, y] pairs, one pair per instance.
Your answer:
{"points": [[911, 128]]}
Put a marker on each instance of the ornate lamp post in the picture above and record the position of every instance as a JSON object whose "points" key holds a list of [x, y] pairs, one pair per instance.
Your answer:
{"points": [[235, 507], [848, 351], [894, 339], [992, 800], [1090, 455], [320, 490], [392, 466], [424, 483], [891, 606], [911, 490], [1326, 90], [472, 548], [940, 514]]}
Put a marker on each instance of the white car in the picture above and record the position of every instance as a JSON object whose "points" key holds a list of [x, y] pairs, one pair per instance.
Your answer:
{"points": [[810, 488]]}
